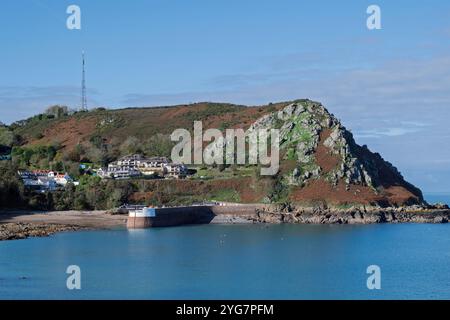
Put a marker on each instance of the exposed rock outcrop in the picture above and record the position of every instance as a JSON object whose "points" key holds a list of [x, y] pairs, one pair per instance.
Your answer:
{"points": [[323, 149], [14, 231], [353, 215]]}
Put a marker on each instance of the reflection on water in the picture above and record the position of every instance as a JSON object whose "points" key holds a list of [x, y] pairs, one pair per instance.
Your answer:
{"points": [[242, 261]]}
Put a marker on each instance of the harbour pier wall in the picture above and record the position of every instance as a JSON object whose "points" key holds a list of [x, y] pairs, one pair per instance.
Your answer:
{"points": [[175, 216]]}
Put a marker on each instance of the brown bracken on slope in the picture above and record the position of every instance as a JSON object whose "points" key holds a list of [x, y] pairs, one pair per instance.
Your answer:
{"points": [[346, 172], [324, 158], [144, 122]]}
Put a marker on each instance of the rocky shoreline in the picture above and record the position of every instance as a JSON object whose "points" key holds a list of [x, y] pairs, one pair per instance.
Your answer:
{"points": [[16, 224], [22, 226], [355, 215], [16, 231]]}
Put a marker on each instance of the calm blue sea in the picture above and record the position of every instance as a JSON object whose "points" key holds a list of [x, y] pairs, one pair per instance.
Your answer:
{"points": [[232, 262]]}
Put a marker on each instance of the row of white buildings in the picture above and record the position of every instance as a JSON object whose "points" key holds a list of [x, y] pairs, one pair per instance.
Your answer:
{"points": [[137, 165], [45, 180]]}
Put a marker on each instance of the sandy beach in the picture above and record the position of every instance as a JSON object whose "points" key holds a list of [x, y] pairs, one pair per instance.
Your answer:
{"points": [[24, 224]]}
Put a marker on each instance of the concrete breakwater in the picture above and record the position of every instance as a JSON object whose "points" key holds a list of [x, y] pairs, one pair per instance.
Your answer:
{"points": [[166, 217], [261, 213]]}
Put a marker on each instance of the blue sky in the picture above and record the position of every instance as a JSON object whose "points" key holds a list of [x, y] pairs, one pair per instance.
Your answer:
{"points": [[391, 87]]}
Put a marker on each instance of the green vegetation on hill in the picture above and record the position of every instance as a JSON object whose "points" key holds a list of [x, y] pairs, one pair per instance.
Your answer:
{"points": [[7, 137], [319, 159], [12, 193], [92, 193], [60, 140]]}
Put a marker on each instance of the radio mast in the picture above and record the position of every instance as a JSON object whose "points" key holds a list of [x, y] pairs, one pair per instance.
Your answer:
{"points": [[83, 86]]}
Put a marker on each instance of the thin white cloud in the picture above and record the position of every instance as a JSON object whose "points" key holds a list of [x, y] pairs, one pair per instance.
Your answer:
{"points": [[387, 132], [21, 102], [400, 109]]}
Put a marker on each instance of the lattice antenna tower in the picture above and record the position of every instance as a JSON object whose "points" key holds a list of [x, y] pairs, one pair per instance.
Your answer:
{"points": [[83, 85]]}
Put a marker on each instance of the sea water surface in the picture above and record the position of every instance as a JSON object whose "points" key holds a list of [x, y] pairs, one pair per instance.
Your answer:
{"points": [[233, 262]]}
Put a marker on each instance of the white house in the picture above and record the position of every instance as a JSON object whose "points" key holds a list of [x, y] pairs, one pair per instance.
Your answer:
{"points": [[176, 170], [45, 180]]}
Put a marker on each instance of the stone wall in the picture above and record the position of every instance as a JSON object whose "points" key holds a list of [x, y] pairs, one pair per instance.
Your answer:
{"points": [[166, 217]]}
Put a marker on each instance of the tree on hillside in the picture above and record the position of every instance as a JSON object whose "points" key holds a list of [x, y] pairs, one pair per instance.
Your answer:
{"points": [[8, 138], [158, 145], [11, 189], [130, 146]]}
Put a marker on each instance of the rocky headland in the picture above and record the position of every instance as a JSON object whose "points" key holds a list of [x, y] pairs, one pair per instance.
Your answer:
{"points": [[355, 215], [324, 175]]}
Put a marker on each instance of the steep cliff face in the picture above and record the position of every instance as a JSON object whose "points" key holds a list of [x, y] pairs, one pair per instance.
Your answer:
{"points": [[321, 160]]}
